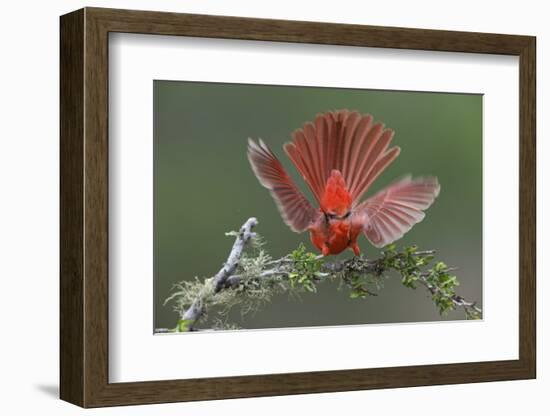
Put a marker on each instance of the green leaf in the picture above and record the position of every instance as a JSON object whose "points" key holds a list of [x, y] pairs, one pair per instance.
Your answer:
{"points": [[411, 249], [184, 325], [440, 266]]}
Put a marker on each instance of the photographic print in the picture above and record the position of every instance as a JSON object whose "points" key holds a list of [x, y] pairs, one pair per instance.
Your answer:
{"points": [[344, 185], [291, 206]]}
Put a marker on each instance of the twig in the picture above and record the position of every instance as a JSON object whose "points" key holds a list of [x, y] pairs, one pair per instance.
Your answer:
{"points": [[193, 313], [458, 301]]}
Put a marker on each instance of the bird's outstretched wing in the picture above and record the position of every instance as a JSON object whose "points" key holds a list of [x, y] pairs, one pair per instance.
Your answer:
{"points": [[393, 211], [344, 140], [296, 210]]}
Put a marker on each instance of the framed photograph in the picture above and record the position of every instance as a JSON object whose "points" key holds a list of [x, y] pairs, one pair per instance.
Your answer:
{"points": [[254, 207]]}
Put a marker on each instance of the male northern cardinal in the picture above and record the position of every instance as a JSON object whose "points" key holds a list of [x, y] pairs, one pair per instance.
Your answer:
{"points": [[339, 155]]}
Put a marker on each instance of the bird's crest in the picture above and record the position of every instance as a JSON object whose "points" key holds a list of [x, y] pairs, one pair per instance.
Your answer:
{"points": [[336, 198]]}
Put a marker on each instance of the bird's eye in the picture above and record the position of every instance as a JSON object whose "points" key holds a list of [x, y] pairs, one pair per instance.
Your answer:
{"points": [[329, 216]]}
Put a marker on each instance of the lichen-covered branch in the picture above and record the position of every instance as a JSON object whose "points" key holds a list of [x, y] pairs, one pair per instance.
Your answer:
{"points": [[216, 283], [250, 278]]}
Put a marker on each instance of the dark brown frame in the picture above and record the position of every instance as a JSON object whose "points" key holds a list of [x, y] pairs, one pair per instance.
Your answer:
{"points": [[84, 213]]}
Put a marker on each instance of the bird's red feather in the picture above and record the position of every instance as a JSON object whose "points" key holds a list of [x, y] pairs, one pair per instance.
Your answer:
{"points": [[339, 156]]}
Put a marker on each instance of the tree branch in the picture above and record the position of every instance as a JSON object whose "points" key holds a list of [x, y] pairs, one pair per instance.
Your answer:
{"points": [[248, 281], [245, 234]]}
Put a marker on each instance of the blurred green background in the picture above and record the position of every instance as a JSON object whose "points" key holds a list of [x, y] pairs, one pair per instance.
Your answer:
{"points": [[204, 187]]}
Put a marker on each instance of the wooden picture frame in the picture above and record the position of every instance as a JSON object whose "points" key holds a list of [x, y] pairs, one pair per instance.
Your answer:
{"points": [[84, 207]]}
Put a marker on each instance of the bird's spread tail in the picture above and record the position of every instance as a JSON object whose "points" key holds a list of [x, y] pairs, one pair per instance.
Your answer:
{"points": [[345, 141]]}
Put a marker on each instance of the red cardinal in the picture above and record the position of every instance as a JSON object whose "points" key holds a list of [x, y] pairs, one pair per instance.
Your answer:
{"points": [[339, 156]]}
